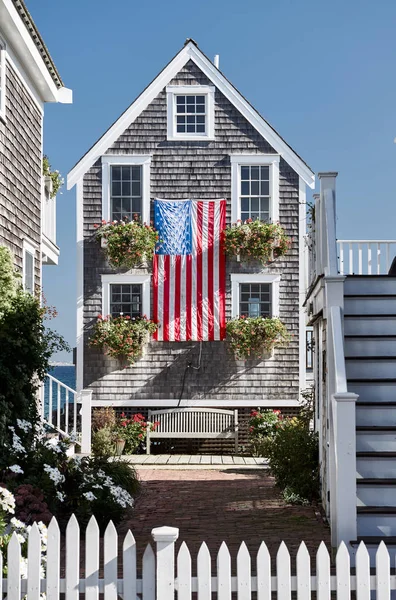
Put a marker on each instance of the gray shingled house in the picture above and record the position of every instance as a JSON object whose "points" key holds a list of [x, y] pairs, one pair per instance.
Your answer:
{"points": [[28, 80], [165, 145]]}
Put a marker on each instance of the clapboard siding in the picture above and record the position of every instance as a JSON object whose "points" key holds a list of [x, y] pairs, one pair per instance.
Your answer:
{"points": [[20, 170], [193, 170]]}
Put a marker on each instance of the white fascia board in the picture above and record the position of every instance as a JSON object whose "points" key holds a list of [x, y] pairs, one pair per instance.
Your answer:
{"points": [[190, 52], [16, 34], [204, 402]]}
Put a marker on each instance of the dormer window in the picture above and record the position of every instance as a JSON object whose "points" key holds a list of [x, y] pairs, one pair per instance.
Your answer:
{"points": [[190, 112]]}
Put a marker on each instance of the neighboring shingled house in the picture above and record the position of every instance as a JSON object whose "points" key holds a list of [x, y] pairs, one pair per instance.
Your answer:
{"points": [[191, 134], [28, 79]]}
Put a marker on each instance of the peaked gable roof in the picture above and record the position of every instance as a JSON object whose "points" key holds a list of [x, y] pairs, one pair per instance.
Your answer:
{"points": [[190, 51]]}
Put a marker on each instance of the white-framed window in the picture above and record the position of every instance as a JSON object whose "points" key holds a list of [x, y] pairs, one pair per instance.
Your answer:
{"points": [[255, 187], [28, 266], [126, 187], [2, 79], [190, 110], [126, 294], [255, 294]]}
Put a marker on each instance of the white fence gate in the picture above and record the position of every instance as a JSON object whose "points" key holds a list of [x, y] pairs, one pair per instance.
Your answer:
{"points": [[166, 576]]}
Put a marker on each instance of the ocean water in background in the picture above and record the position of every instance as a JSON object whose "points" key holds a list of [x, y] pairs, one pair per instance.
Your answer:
{"points": [[66, 374]]}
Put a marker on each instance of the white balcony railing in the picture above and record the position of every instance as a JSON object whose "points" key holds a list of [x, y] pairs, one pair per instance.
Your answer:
{"points": [[49, 215], [365, 257]]}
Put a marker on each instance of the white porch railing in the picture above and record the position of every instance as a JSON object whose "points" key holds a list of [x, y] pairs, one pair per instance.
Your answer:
{"points": [[67, 411], [365, 257], [165, 572], [49, 215]]}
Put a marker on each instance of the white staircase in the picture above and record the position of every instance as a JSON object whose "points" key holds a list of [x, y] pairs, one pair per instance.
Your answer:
{"points": [[370, 355]]}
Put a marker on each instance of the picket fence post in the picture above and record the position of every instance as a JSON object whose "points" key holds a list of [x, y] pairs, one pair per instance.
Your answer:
{"points": [[165, 538]]}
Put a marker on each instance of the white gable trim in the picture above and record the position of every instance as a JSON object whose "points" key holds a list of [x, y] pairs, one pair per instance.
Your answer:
{"points": [[190, 52]]}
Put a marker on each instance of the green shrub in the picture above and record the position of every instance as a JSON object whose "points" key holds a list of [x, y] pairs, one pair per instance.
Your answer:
{"points": [[262, 428], [102, 444], [293, 455]]}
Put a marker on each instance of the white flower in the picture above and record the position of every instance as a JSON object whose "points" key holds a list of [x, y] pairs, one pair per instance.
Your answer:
{"points": [[54, 474], [7, 501], [17, 524], [24, 425], [16, 442], [24, 567], [53, 444], [89, 496], [16, 469], [61, 496]]}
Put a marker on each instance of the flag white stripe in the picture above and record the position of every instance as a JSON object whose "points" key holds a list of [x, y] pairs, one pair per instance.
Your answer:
{"points": [[205, 272], [194, 273], [171, 300], [216, 261], [160, 296]]}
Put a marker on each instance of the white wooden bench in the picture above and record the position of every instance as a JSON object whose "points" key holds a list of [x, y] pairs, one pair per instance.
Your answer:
{"points": [[193, 423]]}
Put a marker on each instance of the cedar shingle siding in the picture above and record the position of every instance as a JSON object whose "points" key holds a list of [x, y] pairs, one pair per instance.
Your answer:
{"points": [[20, 171], [193, 170]]}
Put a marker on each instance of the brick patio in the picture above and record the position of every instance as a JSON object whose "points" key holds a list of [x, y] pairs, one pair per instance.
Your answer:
{"points": [[216, 505]]}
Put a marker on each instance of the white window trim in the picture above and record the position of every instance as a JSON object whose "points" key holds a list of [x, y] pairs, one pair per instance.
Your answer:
{"points": [[126, 159], [238, 278], [3, 81], [28, 247], [271, 160], [144, 280], [197, 90]]}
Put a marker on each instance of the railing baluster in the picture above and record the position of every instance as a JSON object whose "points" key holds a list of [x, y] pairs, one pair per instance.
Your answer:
{"points": [[378, 258], [360, 259], [50, 402], [341, 245], [350, 259], [58, 405], [66, 411], [369, 258], [387, 257]]}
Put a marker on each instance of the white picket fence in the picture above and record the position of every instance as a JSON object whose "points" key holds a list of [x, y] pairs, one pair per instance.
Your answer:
{"points": [[161, 581]]}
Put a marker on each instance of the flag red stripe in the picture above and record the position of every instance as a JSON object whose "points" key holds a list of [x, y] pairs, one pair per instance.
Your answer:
{"points": [[166, 296], [222, 271], [188, 296], [177, 297], [211, 316], [199, 269], [155, 293]]}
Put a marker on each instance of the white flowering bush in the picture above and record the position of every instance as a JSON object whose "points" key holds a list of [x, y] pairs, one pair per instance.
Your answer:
{"points": [[9, 525], [46, 481]]}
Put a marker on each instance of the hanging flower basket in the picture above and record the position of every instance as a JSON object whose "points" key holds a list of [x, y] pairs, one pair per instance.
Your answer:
{"points": [[127, 243], [255, 240], [250, 337], [122, 337]]}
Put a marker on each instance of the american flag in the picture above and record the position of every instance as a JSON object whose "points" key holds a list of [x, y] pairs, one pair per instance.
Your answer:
{"points": [[189, 270]]}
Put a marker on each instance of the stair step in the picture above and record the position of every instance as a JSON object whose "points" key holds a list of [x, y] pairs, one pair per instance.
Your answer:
{"points": [[370, 367], [374, 540], [376, 510], [373, 481], [365, 454], [362, 284], [376, 391], [375, 404], [373, 414], [369, 324], [376, 428], [369, 304], [367, 295], [370, 345]]}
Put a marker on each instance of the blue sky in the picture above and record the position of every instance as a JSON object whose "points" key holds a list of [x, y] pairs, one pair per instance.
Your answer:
{"points": [[322, 73]]}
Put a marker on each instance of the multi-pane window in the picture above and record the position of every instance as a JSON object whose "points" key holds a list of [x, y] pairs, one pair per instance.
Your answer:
{"points": [[255, 192], [28, 274], [191, 114], [255, 299], [126, 299], [125, 192]]}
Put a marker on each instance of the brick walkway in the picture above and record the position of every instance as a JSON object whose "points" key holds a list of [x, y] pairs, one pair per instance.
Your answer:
{"points": [[216, 505]]}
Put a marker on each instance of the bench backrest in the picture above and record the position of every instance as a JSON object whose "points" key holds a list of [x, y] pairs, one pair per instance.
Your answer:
{"points": [[194, 420]]}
